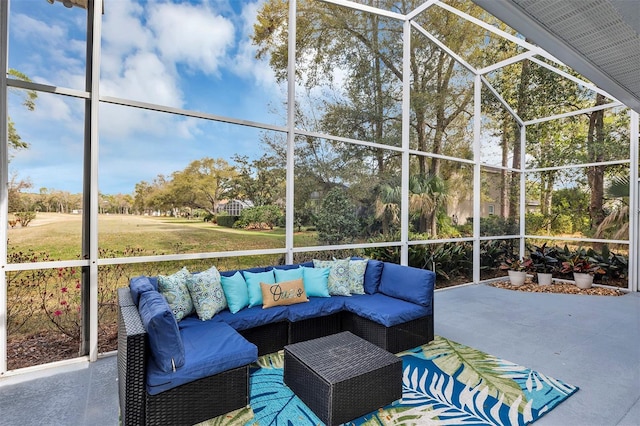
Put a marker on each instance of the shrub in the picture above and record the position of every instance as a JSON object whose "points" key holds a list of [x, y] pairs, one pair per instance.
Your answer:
{"points": [[336, 221], [227, 220], [25, 217]]}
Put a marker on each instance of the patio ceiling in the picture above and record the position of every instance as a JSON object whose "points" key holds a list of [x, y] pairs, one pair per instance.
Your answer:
{"points": [[598, 38]]}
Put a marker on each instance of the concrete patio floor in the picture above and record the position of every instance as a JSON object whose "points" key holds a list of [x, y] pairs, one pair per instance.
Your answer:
{"points": [[592, 342]]}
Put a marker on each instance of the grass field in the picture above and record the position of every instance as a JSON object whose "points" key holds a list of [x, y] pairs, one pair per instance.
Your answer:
{"points": [[45, 301], [59, 235]]}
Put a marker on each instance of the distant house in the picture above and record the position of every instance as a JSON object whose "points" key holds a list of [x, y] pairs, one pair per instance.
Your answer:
{"points": [[234, 207]]}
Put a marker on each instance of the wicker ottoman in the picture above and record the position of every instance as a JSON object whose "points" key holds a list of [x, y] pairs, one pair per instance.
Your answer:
{"points": [[341, 377]]}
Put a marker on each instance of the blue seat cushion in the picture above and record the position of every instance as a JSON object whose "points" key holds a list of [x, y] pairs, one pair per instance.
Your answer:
{"points": [[167, 348], [408, 283], [315, 307], [211, 348], [372, 276], [139, 285], [253, 317], [384, 310]]}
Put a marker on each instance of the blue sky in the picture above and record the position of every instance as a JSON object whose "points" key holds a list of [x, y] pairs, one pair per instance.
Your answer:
{"points": [[148, 55]]}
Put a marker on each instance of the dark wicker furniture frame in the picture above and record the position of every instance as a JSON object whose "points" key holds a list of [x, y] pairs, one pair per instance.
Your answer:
{"points": [[188, 404], [342, 377], [219, 394]]}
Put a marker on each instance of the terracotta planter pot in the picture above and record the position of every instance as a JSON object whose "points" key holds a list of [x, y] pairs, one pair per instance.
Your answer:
{"points": [[545, 278], [583, 280], [517, 277]]}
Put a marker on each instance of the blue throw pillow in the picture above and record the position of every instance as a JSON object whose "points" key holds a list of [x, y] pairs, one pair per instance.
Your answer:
{"points": [[316, 281], [235, 291], [372, 276], [165, 342], [287, 274], [253, 283], [139, 285], [408, 283]]}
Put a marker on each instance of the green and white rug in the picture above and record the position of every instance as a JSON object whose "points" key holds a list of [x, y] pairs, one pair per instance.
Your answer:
{"points": [[444, 383]]}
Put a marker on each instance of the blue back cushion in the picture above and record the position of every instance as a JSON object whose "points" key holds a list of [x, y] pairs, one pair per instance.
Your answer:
{"points": [[235, 291], [408, 283], [316, 281], [139, 285], [372, 276], [165, 342], [287, 274], [253, 280]]}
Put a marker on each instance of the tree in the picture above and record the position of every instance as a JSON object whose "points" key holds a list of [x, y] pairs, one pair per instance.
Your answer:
{"points": [[262, 181], [368, 49], [202, 184], [427, 196], [336, 221], [387, 207], [16, 199], [29, 102], [616, 223]]}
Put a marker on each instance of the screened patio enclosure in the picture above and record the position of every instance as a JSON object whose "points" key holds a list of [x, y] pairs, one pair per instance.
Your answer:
{"points": [[427, 133]]}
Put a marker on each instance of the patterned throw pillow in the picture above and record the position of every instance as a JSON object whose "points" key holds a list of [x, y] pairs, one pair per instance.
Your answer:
{"points": [[174, 289], [338, 276], [206, 293], [357, 269], [283, 293]]}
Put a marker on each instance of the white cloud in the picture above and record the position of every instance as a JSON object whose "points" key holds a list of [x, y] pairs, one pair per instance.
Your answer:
{"points": [[245, 63], [191, 35]]}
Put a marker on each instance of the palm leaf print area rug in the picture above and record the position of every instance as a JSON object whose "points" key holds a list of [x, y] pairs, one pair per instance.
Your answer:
{"points": [[444, 383]]}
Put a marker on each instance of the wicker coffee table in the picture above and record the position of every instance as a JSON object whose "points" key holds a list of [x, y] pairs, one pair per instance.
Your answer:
{"points": [[341, 377]]}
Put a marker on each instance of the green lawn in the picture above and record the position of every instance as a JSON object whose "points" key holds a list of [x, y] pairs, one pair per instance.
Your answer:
{"points": [[59, 235], [54, 236]]}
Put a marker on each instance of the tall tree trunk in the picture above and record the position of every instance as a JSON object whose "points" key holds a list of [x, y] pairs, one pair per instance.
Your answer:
{"points": [[505, 176], [523, 105], [379, 107], [595, 174]]}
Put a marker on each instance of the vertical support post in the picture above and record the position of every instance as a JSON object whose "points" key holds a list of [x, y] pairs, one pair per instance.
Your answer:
{"points": [[89, 329], [4, 178], [634, 202], [291, 136], [523, 195], [477, 174], [406, 115]]}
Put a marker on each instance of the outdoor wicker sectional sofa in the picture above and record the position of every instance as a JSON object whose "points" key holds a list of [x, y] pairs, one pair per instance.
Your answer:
{"points": [[395, 313]]}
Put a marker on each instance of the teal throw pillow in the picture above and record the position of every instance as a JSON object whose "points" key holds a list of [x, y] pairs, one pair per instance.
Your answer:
{"points": [[235, 291], [253, 283], [357, 269], [287, 274], [206, 293], [316, 281], [174, 289], [338, 276]]}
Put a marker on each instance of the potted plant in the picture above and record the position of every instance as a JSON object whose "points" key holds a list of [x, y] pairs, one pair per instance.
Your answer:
{"points": [[544, 263], [583, 270], [517, 269]]}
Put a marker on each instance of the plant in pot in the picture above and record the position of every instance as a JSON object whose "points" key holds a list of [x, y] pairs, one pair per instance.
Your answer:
{"points": [[517, 269], [583, 270], [545, 263]]}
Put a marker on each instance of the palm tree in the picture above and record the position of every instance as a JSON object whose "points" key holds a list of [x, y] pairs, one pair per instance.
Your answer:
{"points": [[618, 219], [428, 195], [387, 206]]}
